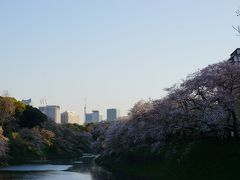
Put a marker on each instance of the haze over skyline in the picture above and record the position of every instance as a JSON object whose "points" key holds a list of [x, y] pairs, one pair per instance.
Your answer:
{"points": [[114, 53]]}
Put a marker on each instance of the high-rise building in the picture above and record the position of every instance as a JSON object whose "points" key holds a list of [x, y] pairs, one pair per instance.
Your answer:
{"points": [[95, 116], [69, 117], [92, 117], [52, 112], [88, 118], [112, 114]]}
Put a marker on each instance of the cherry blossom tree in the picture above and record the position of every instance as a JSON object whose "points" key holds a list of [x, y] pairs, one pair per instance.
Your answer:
{"points": [[210, 97], [206, 104]]}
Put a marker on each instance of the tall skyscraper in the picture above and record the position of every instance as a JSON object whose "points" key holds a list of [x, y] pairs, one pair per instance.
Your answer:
{"points": [[69, 117], [88, 118], [95, 116], [112, 114], [52, 112], [92, 117]]}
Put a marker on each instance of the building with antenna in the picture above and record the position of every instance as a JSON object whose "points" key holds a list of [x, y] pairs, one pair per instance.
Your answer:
{"points": [[91, 117]]}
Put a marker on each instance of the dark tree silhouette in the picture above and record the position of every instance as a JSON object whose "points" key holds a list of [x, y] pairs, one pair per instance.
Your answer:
{"points": [[32, 117]]}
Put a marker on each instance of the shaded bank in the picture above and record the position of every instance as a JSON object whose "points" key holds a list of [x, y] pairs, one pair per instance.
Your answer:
{"points": [[199, 159]]}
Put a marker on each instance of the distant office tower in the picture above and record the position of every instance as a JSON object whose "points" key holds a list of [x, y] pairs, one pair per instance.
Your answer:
{"points": [[92, 117], [27, 102], [69, 117], [95, 116], [52, 112], [88, 117], [112, 114]]}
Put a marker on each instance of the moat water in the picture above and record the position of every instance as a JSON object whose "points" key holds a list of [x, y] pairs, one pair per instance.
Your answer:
{"points": [[82, 169]]}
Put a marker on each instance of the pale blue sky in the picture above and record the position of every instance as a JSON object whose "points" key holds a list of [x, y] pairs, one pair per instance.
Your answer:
{"points": [[113, 52]]}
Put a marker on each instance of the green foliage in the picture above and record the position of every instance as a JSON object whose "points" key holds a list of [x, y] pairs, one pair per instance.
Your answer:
{"points": [[17, 146], [10, 112], [48, 137], [68, 142], [76, 127], [30, 144], [9, 126], [3, 148], [7, 108], [30, 135], [50, 141], [19, 108], [27, 144]]}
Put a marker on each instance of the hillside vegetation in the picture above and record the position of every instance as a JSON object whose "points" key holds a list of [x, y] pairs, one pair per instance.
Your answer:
{"points": [[26, 133]]}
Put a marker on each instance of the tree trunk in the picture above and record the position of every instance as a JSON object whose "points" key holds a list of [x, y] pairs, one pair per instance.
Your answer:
{"points": [[235, 124]]}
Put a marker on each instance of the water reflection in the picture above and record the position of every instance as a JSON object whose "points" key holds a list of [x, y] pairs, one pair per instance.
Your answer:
{"points": [[82, 169], [59, 175], [36, 167]]}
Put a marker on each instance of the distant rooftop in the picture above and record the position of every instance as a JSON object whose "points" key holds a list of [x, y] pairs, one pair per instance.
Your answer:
{"points": [[235, 56], [51, 106], [237, 51]]}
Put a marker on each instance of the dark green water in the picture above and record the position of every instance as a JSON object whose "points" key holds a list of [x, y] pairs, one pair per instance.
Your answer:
{"points": [[83, 169]]}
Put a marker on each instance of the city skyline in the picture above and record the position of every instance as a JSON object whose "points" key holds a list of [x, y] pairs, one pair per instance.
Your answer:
{"points": [[112, 53], [67, 116]]}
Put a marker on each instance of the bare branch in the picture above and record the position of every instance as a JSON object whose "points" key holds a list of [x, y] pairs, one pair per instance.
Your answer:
{"points": [[237, 28], [238, 12]]}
